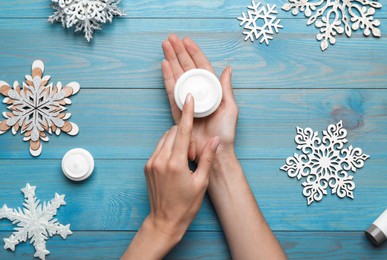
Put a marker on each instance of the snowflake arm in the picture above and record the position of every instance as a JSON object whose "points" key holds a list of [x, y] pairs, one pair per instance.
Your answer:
{"points": [[306, 139], [37, 107], [366, 21], [354, 158], [334, 17], [325, 163], [85, 15], [35, 222], [342, 185], [314, 188], [297, 166]]}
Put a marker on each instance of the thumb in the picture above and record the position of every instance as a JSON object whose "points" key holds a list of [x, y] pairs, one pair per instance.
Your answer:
{"points": [[207, 158], [225, 81]]}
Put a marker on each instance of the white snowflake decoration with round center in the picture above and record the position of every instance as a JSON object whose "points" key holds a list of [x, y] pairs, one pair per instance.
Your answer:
{"points": [[334, 17], [325, 162], [85, 15], [37, 108], [259, 23], [35, 222]]}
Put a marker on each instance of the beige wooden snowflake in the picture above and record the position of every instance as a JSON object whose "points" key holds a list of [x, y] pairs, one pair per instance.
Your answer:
{"points": [[37, 108]]}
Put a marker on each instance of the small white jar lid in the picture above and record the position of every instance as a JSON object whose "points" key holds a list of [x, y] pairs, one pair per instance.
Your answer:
{"points": [[77, 164], [204, 86]]}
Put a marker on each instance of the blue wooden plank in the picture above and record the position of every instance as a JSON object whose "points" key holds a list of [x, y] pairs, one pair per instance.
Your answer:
{"points": [[128, 123], [115, 197], [127, 54], [206, 245], [155, 8]]}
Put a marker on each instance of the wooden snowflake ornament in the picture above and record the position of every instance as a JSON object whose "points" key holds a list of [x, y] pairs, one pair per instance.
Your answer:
{"points": [[37, 108]]}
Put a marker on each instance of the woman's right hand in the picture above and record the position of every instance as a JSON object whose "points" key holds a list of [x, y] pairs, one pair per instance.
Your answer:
{"points": [[175, 192]]}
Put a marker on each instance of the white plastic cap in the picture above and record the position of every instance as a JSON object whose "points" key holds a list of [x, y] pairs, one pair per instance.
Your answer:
{"points": [[77, 164], [204, 86], [377, 232]]}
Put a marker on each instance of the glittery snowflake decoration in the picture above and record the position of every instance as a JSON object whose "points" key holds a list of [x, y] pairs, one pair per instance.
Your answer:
{"points": [[37, 108], [325, 162], [85, 15], [35, 222], [334, 17], [260, 22]]}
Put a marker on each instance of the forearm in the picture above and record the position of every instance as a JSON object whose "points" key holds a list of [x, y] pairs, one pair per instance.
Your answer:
{"points": [[150, 243], [247, 233]]}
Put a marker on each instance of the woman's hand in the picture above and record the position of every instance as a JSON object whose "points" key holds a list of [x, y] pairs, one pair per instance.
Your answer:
{"points": [[175, 192], [247, 233], [184, 55]]}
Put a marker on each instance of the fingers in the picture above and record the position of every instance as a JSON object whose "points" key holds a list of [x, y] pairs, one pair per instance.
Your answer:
{"points": [[148, 167], [206, 159], [192, 150], [167, 148], [149, 185], [169, 82], [184, 58], [197, 55], [159, 145], [171, 57], [183, 137], [225, 81]]}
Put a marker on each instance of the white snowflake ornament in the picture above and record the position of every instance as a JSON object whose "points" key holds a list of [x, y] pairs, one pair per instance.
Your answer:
{"points": [[35, 222], [85, 15], [334, 17], [260, 22], [37, 107], [325, 162]]}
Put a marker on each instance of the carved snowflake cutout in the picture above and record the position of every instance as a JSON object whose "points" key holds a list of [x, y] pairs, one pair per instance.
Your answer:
{"points": [[259, 23], [37, 108], [85, 15], [334, 17], [35, 222], [325, 162]]}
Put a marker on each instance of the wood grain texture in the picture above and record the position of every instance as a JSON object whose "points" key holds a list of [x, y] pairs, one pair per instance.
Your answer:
{"points": [[206, 245], [115, 197], [122, 111], [127, 54], [128, 123], [155, 8]]}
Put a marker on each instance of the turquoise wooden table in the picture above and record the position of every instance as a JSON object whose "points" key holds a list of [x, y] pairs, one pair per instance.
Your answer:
{"points": [[122, 111]]}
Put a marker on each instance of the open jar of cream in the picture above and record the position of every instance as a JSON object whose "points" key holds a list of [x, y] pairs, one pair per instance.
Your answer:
{"points": [[205, 88]]}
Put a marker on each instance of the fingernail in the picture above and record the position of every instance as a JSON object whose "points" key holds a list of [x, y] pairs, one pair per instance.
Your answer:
{"points": [[230, 71], [172, 37], [188, 99], [215, 143], [187, 40]]}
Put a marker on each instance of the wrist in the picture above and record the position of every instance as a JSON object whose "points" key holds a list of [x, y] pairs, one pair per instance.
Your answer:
{"points": [[226, 171], [152, 241], [168, 233], [225, 155]]}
